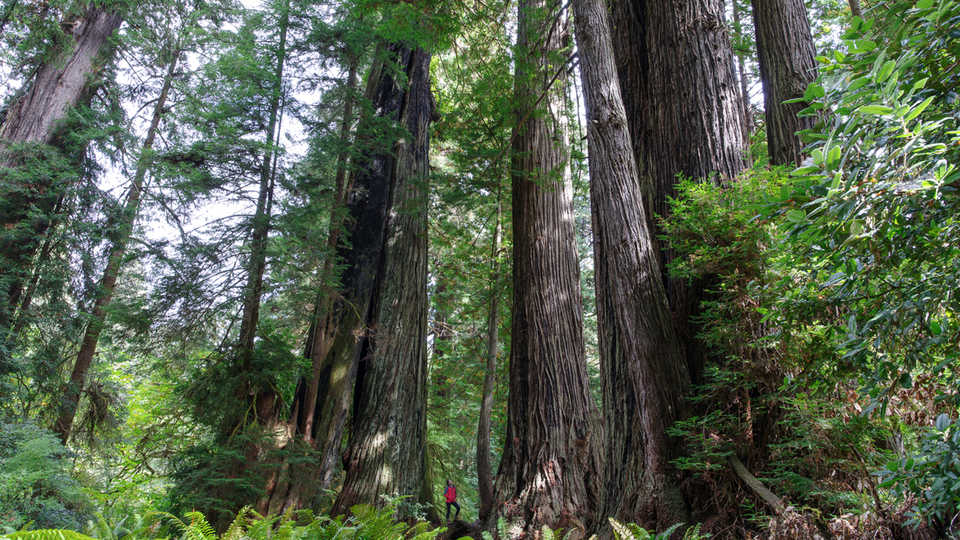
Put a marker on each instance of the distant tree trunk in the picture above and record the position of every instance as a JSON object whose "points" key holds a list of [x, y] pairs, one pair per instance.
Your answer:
{"points": [[386, 453], [484, 469], [33, 119], [551, 464], [675, 68], [786, 54], [742, 76], [128, 216], [855, 8], [322, 401], [641, 360]]}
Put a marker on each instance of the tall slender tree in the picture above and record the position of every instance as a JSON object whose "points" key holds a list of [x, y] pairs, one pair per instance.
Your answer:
{"points": [[265, 398], [484, 469], [786, 54], [643, 373], [551, 464], [118, 249]]}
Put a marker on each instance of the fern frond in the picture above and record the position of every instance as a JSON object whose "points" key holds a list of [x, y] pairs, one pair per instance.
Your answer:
{"points": [[665, 535], [235, 530], [199, 528], [47, 534]]}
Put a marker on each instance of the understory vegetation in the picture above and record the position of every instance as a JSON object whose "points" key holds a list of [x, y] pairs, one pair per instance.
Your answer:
{"points": [[286, 270]]}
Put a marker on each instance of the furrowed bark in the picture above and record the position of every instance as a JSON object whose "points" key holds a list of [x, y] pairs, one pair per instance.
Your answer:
{"points": [[551, 464], [484, 469], [131, 207], [676, 74], [32, 119], [388, 432], [641, 360], [786, 55]]}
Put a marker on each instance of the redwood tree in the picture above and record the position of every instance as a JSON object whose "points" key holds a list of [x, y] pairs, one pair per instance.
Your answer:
{"points": [[676, 74], [786, 55], [386, 454], [551, 464], [643, 373]]}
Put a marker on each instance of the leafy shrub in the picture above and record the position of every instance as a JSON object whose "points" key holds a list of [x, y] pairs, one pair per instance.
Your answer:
{"points": [[932, 476], [35, 481]]}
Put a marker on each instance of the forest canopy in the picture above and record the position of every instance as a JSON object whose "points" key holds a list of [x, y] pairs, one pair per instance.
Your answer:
{"points": [[334, 268]]}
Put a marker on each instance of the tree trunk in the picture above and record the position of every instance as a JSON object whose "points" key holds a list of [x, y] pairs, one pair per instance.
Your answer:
{"points": [[88, 347], [641, 360], [388, 432], [32, 119], [855, 8], [550, 470], [742, 76], [676, 74], [484, 469], [786, 55], [263, 399]]}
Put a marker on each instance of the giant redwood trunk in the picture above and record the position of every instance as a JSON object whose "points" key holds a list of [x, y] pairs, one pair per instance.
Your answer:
{"points": [[91, 336], [386, 452], [786, 55], [676, 74], [26, 201], [551, 464], [640, 358]]}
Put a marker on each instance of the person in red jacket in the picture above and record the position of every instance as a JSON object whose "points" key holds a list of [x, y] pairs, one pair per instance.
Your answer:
{"points": [[451, 495]]}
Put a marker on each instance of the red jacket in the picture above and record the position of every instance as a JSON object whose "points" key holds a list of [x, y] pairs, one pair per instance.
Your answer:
{"points": [[451, 494]]}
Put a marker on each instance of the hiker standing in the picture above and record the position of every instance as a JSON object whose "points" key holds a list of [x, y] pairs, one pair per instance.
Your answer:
{"points": [[451, 495]]}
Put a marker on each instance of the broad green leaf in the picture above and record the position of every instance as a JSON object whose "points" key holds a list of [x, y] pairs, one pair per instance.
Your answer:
{"points": [[875, 109], [885, 70]]}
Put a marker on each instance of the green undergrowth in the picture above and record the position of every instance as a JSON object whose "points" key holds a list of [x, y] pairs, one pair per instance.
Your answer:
{"points": [[365, 523], [831, 309]]}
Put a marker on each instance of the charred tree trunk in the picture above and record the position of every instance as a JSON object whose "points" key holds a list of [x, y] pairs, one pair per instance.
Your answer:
{"points": [[32, 119], [550, 470], [676, 74], [787, 66], [88, 347], [641, 360], [484, 469], [388, 431]]}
